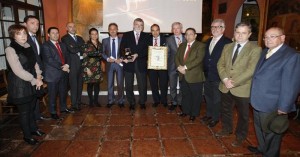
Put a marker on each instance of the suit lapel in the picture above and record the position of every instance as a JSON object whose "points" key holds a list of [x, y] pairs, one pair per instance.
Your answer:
{"points": [[55, 51], [229, 55], [276, 56], [242, 52]]}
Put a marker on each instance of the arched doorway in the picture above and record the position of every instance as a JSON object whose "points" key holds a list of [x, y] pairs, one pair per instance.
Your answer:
{"points": [[249, 12]]}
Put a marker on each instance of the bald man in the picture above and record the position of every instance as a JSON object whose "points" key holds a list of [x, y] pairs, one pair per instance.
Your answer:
{"points": [[73, 43], [275, 87]]}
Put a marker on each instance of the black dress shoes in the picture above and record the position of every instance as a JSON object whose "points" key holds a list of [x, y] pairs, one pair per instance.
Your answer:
{"points": [[121, 105], [212, 123], [38, 133], [254, 150], [109, 105], [155, 104], [143, 106], [31, 141], [182, 115], [54, 116], [131, 107], [192, 118], [172, 107], [43, 118], [205, 120], [68, 111]]}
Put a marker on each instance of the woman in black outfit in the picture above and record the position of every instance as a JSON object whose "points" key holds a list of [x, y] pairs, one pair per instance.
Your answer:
{"points": [[24, 78]]}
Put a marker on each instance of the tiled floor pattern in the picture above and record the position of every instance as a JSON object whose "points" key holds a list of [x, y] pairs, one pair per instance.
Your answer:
{"points": [[116, 132]]}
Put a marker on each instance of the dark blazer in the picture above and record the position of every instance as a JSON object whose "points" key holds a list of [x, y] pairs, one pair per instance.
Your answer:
{"points": [[38, 57], [210, 60], [73, 46], [52, 62], [162, 40], [106, 53], [128, 41], [276, 82], [172, 49], [194, 62]]}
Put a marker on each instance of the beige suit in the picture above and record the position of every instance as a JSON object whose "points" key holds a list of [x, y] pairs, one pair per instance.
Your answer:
{"points": [[241, 71]]}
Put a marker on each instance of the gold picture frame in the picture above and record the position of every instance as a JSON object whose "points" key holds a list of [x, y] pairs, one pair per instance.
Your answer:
{"points": [[158, 57]]}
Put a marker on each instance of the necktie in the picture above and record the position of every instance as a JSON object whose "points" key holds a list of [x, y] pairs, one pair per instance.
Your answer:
{"points": [[212, 45], [178, 41], [269, 54], [60, 53], [33, 38], [137, 38], [155, 41], [236, 53], [113, 49], [75, 38], [187, 52]]}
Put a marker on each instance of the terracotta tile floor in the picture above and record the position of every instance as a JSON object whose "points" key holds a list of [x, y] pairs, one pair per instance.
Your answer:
{"points": [[118, 132]]}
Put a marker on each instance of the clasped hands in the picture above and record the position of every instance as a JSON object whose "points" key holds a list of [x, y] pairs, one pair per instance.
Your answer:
{"points": [[134, 56], [112, 60], [228, 83], [181, 69]]}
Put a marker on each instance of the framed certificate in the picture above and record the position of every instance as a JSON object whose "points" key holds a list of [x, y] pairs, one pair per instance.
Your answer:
{"points": [[157, 57]]}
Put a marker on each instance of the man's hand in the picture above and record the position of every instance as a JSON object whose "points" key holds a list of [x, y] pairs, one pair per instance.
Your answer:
{"points": [[228, 83], [181, 69], [281, 112], [65, 67], [134, 56], [110, 60]]}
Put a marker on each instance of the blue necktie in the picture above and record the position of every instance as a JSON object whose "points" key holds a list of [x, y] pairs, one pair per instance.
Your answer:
{"points": [[113, 49], [33, 38]]}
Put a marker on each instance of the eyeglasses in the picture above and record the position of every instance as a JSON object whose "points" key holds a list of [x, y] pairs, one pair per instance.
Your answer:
{"points": [[216, 27], [272, 37]]}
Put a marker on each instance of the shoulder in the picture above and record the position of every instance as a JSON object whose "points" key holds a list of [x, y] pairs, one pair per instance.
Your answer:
{"points": [[226, 39], [10, 50]]}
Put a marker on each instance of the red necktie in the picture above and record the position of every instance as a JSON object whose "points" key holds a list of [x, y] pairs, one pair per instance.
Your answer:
{"points": [[187, 52], [60, 53], [155, 41]]}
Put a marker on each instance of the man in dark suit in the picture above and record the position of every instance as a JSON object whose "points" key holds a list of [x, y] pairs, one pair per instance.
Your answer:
{"points": [[173, 43], [32, 24], [158, 76], [55, 58], [236, 67], [213, 51], [111, 54], [189, 63], [136, 41], [275, 87], [74, 43]]}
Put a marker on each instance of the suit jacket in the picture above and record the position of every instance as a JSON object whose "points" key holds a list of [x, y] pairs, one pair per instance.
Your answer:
{"points": [[172, 49], [211, 60], [194, 62], [52, 62], [128, 41], [106, 53], [73, 47], [241, 71], [275, 83], [162, 40], [37, 55]]}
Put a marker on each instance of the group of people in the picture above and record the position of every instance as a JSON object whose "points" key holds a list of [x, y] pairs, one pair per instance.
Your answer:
{"points": [[232, 73]]}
